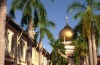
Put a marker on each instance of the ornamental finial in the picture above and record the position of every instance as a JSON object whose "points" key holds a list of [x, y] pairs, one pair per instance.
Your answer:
{"points": [[67, 20]]}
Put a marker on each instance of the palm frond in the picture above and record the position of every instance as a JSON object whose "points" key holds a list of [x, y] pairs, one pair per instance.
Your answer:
{"points": [[56, 54], [89, 2], [86, 23], [16, 5], [42, 33], [36, 18], [97, 28], [96, 5], [81, 48], [49, 35], [75, 5], [78, 15], [24, 20], [27, 9], [50, 24], [42, 13], [78, 30], [13, 8]]}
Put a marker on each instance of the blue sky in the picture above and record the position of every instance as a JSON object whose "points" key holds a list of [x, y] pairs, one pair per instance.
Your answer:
{"points": [[57, 12]]}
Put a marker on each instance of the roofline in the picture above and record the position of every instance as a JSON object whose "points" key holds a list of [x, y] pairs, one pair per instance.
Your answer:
{"points": [[12, 22]]}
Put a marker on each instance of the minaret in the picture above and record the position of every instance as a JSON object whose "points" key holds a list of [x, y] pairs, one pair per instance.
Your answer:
{"points": [[66, 34]]}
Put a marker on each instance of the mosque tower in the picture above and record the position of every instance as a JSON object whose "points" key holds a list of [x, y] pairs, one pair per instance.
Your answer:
{"points": [[66, 34]]}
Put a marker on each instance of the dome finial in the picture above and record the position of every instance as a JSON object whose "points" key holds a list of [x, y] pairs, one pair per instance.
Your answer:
{"points": [[67, 20]]}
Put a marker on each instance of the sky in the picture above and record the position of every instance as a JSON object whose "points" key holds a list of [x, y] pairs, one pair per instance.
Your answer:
{"points": [[56, 12]]}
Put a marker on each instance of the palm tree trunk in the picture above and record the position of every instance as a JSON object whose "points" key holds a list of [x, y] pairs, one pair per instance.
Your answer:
{"points": [[30, 31], [3, 11], [87, 60], [90, 51], [30, 39], [40, 52], [84, 61], [94, 48]]}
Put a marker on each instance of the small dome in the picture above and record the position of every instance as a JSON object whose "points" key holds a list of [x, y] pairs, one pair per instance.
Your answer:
{"points": [[66, 33]]}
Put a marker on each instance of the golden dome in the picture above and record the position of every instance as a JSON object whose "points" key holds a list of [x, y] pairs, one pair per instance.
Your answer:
{"points": [[66, 33]]}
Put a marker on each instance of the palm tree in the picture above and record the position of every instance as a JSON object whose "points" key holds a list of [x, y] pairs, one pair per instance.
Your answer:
{"points": [[81, 50], [44, 30], [3, 11], [81, 46], [79, 38], [28, 7], [97, 28], [86, 15], [57, 54]]}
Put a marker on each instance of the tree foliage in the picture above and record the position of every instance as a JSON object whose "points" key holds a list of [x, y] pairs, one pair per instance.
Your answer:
{"points": [[58, 52]]}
